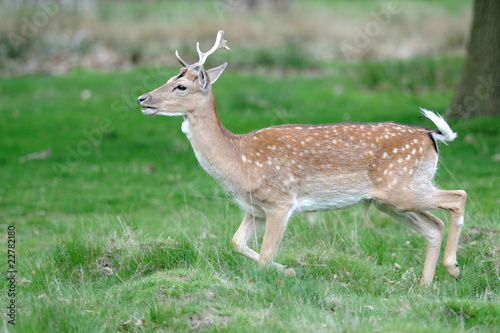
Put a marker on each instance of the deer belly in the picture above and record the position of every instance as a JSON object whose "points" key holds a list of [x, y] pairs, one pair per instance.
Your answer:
{"points": [[335, 192], [316, 204]]}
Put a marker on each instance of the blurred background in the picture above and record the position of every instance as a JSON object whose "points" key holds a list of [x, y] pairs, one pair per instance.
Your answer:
{"points": [[53, 36]]}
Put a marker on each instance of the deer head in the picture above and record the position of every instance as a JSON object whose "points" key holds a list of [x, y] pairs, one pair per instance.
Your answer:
{"points": [[182, 93]]}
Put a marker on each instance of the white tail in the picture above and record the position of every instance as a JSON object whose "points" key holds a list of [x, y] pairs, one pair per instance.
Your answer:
{"points": [[276, 172], [445, 133]]}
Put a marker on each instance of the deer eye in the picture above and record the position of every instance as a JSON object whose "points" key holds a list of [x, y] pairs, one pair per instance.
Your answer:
{"points": [[181, 87]]}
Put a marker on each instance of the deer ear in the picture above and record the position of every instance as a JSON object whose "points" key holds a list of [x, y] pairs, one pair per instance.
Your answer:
{"points": [[204, 80], [214, 73]]}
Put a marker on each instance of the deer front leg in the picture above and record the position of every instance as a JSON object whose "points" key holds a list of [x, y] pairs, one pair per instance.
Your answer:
{"points": [[248, 229], [276, 222]]}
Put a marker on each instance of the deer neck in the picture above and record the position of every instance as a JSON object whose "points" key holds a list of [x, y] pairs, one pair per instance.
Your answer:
{"points": [[213, 145]]}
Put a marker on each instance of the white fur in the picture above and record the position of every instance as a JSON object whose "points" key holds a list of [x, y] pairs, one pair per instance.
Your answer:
{"points": [[441, 124], [185, 127], [152, 111], [170, 114], [313, 205], [148, 111]]}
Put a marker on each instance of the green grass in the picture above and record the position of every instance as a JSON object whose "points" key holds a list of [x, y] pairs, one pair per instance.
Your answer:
{"points": [[119, 229]]}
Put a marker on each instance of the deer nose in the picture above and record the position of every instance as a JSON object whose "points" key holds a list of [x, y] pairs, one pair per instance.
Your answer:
{"points": [[142, 98]]}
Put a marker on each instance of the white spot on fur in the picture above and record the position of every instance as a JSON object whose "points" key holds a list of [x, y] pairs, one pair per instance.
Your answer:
{"points": [[244, 158]]}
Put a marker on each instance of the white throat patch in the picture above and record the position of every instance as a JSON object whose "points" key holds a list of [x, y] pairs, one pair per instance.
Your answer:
{"points": [[185, 127]]}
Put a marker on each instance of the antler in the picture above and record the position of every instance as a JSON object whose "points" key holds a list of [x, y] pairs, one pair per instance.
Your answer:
{"points": [[220, 43]]}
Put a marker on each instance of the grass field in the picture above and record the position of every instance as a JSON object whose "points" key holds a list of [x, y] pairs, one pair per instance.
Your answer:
{"points": [[117, 228]]}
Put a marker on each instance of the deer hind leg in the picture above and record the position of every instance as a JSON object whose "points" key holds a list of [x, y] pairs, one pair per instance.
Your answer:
{"points": [[454, 203], [248, 229], [429, 226], [432, 198]]}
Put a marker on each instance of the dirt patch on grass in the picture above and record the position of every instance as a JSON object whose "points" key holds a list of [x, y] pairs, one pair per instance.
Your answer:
{"points": [[207, 318]]}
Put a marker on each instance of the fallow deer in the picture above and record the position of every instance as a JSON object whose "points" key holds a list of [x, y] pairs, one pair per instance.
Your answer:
{"points": [[276, 172]]}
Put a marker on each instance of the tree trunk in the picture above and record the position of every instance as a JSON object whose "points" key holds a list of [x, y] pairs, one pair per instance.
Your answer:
{"points": [[478, 92]]}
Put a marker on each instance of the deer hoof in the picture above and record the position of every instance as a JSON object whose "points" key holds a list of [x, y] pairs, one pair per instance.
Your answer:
{"points": [[292, 272], [453, 270]]}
